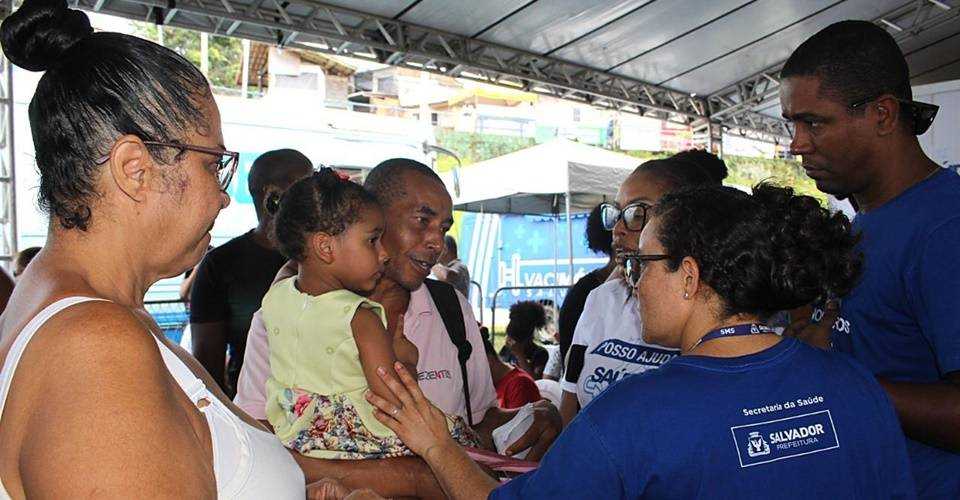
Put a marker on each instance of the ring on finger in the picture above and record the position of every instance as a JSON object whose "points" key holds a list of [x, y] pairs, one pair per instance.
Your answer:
{"points": [[395, 411]]}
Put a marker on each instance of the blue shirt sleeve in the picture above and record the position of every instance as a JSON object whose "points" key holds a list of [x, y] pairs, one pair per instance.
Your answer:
{"points": [[937, 282], [578, 463]]}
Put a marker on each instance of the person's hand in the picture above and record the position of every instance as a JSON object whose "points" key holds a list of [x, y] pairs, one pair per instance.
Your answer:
{"points": [[546, 426], [419, 424], [815, 334], [406, 352]]}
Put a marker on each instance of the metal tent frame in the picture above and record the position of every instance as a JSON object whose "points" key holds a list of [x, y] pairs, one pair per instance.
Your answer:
{"points": [[675, 60], [741, 107]]}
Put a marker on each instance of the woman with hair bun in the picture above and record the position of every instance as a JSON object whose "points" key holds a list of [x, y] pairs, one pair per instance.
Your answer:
{"points": [[607, 345], [94, 400], [742, 412]]}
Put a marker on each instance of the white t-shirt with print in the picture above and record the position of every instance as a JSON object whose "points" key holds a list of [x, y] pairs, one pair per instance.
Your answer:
{"points": [[609, 329]]}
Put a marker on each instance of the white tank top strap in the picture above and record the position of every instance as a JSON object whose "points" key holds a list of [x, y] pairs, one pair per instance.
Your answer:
{"points": [[192, 386]]}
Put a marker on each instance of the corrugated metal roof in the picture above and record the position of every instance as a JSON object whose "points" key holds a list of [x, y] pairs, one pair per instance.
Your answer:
{"points": [[662, 50], [694, 46]]}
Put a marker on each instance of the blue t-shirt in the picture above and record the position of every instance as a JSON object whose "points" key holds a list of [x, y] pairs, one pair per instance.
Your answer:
{"points": [[902, 321], [789, 422]]}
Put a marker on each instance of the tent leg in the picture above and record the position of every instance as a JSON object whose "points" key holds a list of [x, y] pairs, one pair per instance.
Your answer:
{"points": [[569, 237]]}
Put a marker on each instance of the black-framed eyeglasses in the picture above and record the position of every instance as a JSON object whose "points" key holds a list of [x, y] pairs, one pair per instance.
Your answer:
{"points": [[921, 113], [633, 264], [226, 164], [634, 215]]}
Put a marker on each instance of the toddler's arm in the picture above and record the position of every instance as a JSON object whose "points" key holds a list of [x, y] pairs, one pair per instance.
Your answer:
{"points": [[376, 348]]}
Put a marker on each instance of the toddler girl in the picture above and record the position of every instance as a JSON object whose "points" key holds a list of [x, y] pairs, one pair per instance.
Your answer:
{"points": [[326, 339]]}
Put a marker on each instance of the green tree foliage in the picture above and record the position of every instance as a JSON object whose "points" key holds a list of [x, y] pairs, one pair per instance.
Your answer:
{"points": [[746, 171], [743, 171], [472, 148], [225, 53]]}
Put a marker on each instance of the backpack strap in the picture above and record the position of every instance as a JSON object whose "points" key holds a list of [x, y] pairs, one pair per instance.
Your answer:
{"points": [[448, 305]]}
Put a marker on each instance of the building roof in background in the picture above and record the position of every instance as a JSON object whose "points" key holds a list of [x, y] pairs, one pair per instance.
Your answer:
{"points": [[260, 61]]}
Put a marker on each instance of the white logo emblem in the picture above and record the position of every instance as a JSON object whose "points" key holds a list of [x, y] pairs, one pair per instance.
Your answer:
{"points": [[756, 445]]}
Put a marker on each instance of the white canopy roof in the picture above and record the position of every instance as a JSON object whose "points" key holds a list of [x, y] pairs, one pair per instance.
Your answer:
{"points": [[535, 180]]}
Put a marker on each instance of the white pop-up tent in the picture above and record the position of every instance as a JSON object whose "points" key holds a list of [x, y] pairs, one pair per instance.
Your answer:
{"points": [[559, 176], [542, 179]]}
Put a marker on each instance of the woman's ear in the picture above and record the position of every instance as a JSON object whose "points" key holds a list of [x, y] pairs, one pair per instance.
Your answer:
{"points": [[131, 166], [690, 273]]}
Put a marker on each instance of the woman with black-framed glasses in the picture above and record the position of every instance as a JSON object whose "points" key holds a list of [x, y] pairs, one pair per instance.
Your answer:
{"points": [[133, 173], [607, 345], [742, 413]]}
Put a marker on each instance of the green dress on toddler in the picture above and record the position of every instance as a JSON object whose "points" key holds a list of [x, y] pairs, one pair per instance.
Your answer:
{"points": [[315, 391]]}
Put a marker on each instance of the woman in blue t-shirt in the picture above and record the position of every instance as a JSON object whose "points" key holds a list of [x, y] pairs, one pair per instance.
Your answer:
{"points": [[742, 413]]}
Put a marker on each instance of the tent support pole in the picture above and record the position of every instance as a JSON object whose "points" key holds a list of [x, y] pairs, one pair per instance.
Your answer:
{"points": [[569, 236]]}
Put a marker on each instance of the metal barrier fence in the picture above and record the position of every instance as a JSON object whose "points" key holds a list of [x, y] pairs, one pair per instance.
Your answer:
{"points": [[172, 316], [479, 297], [493, 306]]}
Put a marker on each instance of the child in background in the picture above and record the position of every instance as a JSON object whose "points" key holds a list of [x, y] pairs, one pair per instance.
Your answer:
{"points": [[326, 339], [526, 317]]}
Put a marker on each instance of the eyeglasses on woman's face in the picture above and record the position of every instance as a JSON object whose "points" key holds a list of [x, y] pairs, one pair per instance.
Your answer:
{"points": [[634, 215], [634, 264], [227, 161]]}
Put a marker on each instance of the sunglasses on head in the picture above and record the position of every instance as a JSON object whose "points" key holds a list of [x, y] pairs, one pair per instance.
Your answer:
{"points": [[634, 263], [634, 215], [921, 113]]}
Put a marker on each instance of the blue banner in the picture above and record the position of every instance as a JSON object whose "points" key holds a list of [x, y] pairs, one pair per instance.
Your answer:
{"points": [[523, 251]]}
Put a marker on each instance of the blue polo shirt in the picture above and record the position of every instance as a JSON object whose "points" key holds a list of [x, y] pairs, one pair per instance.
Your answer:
{"points": [[902, 321], [788, 422]]}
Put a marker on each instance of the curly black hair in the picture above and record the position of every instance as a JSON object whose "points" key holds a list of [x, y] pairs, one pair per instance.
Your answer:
{"points": [[325, 202], [526, 317], [96, 88], [763, 253], [599, 239]]}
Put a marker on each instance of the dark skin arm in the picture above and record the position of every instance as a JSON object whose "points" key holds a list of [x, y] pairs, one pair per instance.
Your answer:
{"points": [[388, 477], [423, 428], [569, 407], [210, 348], [186, 285], [929, 412]]}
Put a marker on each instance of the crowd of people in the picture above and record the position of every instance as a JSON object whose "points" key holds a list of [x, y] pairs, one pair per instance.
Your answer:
{"points": [[334, 352]]}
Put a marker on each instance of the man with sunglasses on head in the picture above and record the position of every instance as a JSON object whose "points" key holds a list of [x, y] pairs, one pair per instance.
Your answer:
{"points": [[607, 345], [846, 92], [233, 278]]}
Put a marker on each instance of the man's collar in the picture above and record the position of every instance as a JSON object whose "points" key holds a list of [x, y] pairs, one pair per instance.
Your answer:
{"points": [[420, 302]]}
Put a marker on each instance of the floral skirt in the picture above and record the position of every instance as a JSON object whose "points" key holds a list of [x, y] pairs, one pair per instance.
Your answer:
{"points": [[330, 426]]}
